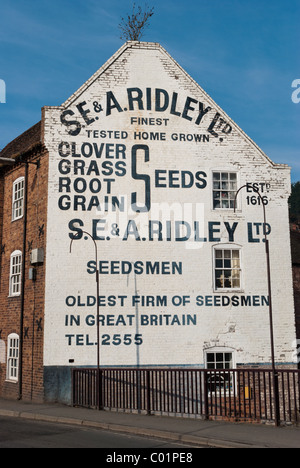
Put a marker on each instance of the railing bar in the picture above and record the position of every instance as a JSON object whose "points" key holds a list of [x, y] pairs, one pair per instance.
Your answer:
{"points": [[176, 391], [270, 393], [235, 378], [249, 400], [171, 391], [283, 396], [295, 398], [289, 395], [265, 395], [112, 382], [253, 398], [259, 394], [255, 395]]}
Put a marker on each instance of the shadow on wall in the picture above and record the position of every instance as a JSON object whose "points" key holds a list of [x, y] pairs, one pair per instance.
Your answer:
{"points": [[58, 384], [2, 352]]}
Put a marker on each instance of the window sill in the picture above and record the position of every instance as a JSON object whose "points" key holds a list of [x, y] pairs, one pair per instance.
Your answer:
{"points": [[226, 291], [17, 219], [224, 209]]}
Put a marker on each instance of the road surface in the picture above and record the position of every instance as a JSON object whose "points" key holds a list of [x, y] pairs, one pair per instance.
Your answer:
{"points": [[20, 433]]}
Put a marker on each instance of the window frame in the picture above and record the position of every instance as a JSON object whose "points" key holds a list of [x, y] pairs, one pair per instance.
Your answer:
{"points": [[223, 171], [16, 200], [215, 352], [12, 274], [13, 353], [219, 389], [231, 248]]}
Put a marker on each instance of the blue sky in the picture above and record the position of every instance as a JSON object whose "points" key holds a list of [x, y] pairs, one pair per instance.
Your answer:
{"points": [[243, 53]]}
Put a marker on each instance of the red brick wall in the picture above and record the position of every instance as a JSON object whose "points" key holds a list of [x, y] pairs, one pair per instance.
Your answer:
{"points": [[10, 307], [1, 211]]}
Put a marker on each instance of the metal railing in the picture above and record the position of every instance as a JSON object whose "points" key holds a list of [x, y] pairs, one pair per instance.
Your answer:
{"points": [[235, 394]]}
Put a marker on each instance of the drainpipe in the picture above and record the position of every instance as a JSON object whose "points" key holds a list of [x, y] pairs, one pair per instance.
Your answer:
{"points": [[37, 164]]}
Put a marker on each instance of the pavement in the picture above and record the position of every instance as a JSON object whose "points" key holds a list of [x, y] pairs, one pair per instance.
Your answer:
{"points": [[185, 431]]}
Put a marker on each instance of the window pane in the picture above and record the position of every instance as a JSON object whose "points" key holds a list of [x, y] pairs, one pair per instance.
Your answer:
{"points": [[225, 204], [227, 269], [210, 357], [224, 188], [219, 278]]}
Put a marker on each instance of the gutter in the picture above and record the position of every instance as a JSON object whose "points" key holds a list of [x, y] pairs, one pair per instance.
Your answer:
{"points": [[7, 160]]}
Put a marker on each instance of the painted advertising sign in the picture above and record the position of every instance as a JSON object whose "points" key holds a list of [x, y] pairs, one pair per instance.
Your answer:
{"points": [[144, 162]]}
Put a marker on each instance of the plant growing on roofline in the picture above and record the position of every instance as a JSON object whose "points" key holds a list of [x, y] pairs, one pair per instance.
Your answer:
{"points": [[133, 26]]}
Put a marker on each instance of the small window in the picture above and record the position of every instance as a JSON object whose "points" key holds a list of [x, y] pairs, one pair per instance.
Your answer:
{"points": [[15, 273], [218, 380], [227, 269], [219, 360], [13, 357], [224, 190], [18, 199]]}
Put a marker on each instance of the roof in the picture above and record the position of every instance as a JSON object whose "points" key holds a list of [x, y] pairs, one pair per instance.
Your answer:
{"points": [[22, 143], [32, 136]]}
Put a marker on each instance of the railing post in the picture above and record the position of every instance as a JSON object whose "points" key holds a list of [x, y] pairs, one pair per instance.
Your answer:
{"points": [[148, 392], [99, 389], [206, 412], [276, 398], [73, 386]]}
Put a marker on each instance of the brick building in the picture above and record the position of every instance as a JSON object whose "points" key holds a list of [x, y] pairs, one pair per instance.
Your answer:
{"points": [[142, 160], [21, 231]]}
